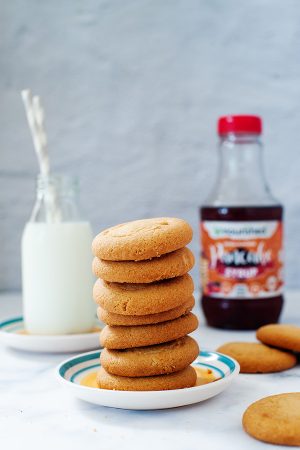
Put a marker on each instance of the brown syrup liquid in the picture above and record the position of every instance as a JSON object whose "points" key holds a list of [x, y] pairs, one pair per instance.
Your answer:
{"points": [[241, 314]]}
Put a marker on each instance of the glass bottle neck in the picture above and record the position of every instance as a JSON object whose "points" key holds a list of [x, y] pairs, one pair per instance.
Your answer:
{"points": [[57, 199], [241, 179]]}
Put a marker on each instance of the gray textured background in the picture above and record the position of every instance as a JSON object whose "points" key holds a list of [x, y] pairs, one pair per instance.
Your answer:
{"points": [[132, 90]]}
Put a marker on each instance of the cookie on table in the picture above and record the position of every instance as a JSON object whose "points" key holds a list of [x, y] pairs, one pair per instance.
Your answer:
{"points": [[142, 239], [166, 266], [122, 337], [280, 335], [114, 319], [275, 419], [178, 380], [142, 299], [254, 357], [153, 360]]}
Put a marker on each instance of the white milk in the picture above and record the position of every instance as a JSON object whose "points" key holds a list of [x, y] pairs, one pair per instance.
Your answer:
{"points": [[57, 278]]}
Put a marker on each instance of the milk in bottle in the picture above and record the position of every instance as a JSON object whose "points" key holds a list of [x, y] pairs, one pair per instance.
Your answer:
{"points": [[56, 262]]}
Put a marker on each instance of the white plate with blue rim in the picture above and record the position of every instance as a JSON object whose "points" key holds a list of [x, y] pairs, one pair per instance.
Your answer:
{"points": [[14, 335], [78, 376]]}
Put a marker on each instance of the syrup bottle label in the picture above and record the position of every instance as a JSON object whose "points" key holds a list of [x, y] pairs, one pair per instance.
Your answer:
{"points": [[241, 259]]}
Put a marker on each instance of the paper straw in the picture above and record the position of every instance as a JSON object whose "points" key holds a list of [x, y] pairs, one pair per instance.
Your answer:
{"points": [[35, 118], [36, 121]]}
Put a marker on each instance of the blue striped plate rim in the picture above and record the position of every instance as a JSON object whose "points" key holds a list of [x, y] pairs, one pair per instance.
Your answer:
{"points": [[12, 325], [210, 360]]}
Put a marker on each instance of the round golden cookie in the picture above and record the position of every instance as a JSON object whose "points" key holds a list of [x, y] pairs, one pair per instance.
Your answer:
{"points": [[143, 299], [153, 360], [144, 335], [166, 266], [275, 419], [280, 335], [178, 380], [142, 239], [119, 319], [254, 357]]}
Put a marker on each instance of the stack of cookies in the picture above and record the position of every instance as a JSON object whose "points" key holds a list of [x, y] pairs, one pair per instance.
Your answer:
{"points": [[145, 296]]}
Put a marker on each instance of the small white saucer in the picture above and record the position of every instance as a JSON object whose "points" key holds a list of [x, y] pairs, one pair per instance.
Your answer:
{"points": [[12, 333], [72, 371]]}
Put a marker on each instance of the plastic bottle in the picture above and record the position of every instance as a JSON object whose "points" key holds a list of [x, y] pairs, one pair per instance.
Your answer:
{"points": [[241, 233]]}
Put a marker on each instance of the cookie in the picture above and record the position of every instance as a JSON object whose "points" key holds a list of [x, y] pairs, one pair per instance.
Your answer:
{"points": [[178, 380], [153, 360], [144, 335], [275, 419], [279, 335], [119, 319], [258, 358], [167, 266], [142, 239], [142, 299]]}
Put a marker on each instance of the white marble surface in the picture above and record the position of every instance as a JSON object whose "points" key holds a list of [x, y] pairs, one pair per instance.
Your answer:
{"points": [[36, 412]]}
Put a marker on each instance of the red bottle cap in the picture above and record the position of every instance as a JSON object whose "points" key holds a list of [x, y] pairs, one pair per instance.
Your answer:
{"points": [[239, 125]]}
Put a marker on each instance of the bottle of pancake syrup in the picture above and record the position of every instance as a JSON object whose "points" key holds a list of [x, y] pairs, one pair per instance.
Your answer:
{"points": [[241, 234]]}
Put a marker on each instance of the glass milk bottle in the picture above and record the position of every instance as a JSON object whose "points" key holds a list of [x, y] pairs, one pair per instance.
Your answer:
{"points": [[56, 262]]}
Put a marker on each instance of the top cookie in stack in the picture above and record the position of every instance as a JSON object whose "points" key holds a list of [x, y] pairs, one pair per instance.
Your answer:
{"points": [[145, 297]]}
